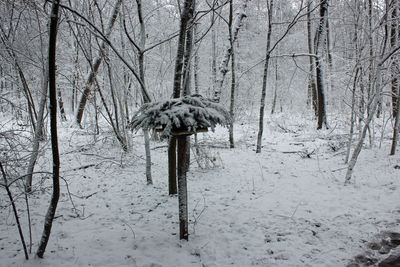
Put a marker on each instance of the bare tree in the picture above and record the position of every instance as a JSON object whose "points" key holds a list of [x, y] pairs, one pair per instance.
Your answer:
{"points": [[312, 91], [96, 64], [224, 65], [322, 120], [265, 77], [53, 129], [178, 76]]}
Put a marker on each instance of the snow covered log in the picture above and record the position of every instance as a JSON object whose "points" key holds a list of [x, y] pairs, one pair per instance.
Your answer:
{"points": [[188, 114]]}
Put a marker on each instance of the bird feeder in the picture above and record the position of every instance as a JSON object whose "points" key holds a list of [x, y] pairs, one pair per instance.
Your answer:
{"points": [[181, 117]]}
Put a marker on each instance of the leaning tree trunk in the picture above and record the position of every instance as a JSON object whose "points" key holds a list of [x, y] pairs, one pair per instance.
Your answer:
{"points": [[322, 120], [38, 133], [223, 67], [265, 79], [373, 104], [53, 130], [96, 65]]}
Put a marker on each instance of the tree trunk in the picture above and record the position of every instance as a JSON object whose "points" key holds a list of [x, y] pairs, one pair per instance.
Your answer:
{"points": [[223, 67], [61, 105], [182, 188], [396, 127], [38, 133], [186, 83], [352, 117], [394, 34], [329, 53], [178, 87], [142, 77], [172, 166], [265, 79], [233, 81], [196, 60], [96, 65], [53, 129], [312, 87], [322, 120], [275, 88], [213, 58]]}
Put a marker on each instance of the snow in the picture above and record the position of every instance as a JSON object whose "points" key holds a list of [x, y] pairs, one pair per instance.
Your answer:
{"points": [[277, 208], [185, 113]]}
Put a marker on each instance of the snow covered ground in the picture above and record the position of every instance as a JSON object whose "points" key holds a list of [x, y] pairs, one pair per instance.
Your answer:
{"points": [[287, 206]]}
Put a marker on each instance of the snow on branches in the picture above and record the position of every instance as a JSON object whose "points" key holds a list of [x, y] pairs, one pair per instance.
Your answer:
{"points": [[189, 113]]}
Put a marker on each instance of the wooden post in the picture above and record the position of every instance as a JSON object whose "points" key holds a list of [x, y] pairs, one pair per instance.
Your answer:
{"points": [[182, 188], [172, 166]]}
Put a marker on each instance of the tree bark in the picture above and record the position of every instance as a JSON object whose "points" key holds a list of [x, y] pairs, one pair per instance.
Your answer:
{"points": [[394, 34], [149, 178], [96, 65], [233, 81], [322, 120], [396, 127], [53, 129], [38, 133], [177, 88], [265, 78], [224, 66], [182, 189], [312, 91]]}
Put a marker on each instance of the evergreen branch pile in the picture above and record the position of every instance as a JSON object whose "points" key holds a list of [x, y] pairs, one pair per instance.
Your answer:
{"points": [[188, 113]]}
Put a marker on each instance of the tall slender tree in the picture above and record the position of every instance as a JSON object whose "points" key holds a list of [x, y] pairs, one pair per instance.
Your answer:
{"points": [[265, 77], [321, 33], [48, 223]]}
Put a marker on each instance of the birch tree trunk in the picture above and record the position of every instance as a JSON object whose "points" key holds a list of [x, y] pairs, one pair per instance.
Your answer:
{"points": [[265, 78], [322, 120], [53, 129], [142, 77], [224, 66]]}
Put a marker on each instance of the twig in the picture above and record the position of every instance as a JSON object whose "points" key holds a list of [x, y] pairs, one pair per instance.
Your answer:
{"points": [[70, 198], [130, 227], [15, 211], [196, 218], [81, 168], [85, 197]]}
